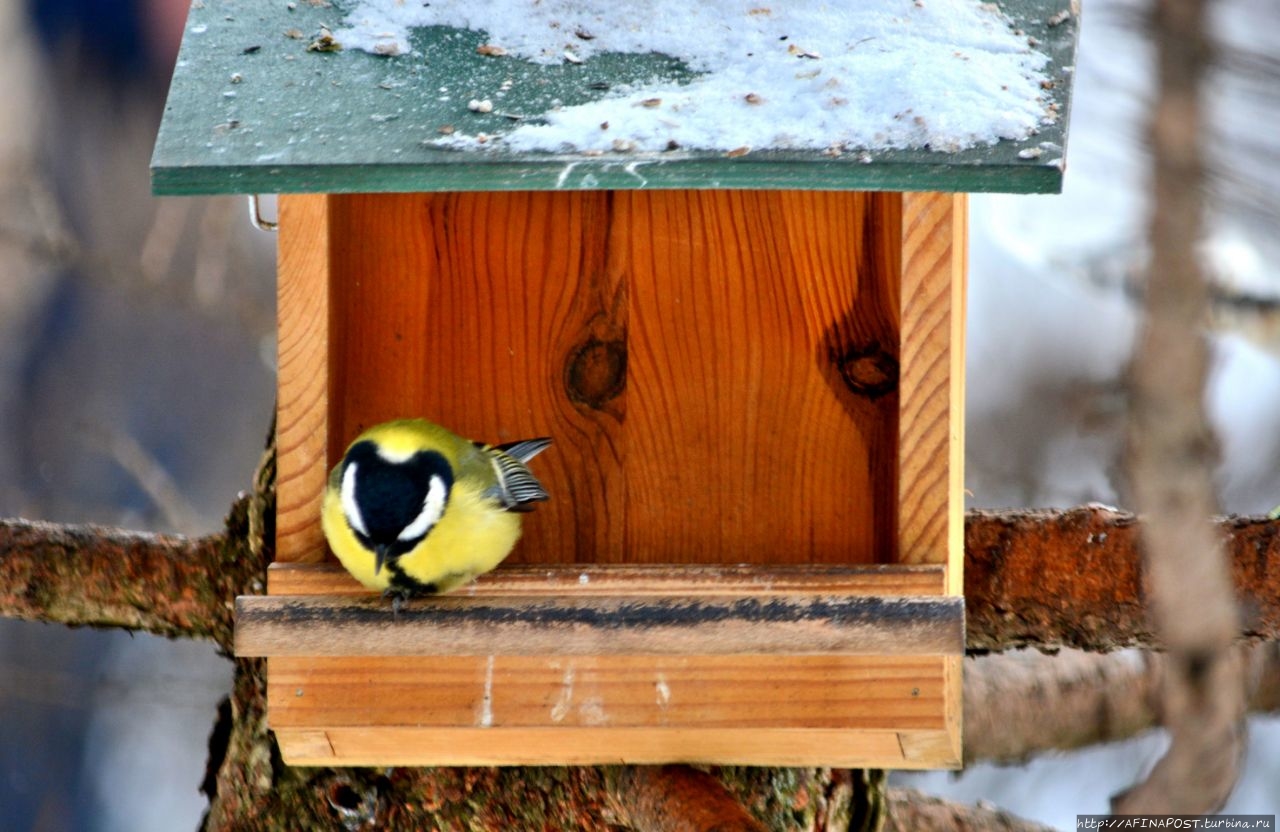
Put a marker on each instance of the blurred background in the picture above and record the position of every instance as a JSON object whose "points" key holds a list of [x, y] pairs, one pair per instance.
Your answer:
{"points": [[136, 389], [137, 373]]}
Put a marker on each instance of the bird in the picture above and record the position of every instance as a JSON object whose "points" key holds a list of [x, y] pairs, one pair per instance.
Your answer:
{"points": [[414, 509]]}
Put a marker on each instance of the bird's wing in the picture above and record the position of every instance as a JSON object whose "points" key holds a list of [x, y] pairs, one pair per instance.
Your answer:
{"points": [[516, 485]]}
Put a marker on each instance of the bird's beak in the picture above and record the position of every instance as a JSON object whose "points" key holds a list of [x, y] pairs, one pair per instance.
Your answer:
{"points": [[381, 554]]}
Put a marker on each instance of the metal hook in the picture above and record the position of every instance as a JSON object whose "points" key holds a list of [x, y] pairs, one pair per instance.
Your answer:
{"points": [[255, 216]]}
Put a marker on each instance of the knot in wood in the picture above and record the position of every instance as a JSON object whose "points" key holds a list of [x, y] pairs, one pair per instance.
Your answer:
{"points": [[869, 370], [596, 372]]}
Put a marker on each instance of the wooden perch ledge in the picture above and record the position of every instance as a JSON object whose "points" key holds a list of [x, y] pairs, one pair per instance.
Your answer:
{"points": [[555, 620], [1032, 578]]}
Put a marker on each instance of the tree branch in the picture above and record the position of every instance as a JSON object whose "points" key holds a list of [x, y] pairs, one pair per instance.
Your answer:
{"points": [[1075, 578], [102, 577], [1018, 705], [168, 585], [1045, 579]]}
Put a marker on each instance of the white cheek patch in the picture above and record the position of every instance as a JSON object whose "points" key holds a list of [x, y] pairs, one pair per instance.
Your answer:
{"points": [[432, 509], [350, 508]]}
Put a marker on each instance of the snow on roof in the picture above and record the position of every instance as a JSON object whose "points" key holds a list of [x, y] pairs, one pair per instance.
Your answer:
{"points": [[800, 74]]}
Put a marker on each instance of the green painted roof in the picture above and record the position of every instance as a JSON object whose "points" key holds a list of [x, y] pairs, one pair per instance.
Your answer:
{"points": [[251, 110]]}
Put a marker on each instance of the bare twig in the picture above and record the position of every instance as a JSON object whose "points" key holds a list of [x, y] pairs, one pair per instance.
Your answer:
{"points": [[1171, 455]]}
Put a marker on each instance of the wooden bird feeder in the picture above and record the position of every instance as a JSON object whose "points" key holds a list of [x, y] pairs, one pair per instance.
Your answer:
{"points": [[752, 366]]}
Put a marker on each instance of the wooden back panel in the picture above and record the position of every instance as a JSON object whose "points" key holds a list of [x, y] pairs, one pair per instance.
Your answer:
{"points": [[720, 369]]}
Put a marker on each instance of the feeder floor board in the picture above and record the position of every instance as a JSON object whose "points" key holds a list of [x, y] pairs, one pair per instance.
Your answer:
{"points": [[669, 611], [251, 110]]}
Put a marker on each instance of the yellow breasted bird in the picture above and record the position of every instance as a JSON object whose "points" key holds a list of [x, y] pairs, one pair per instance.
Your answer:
{"points": [[413, 508]]}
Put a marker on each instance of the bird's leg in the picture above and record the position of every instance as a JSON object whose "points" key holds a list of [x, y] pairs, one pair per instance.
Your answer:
{"points": [[398, 597]]}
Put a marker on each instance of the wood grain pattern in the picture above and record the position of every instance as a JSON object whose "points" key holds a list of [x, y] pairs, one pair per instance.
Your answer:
{"points": [[750, 692], [696, 344], [469, 309], [303, 379], [696, 354], [330, 579], [953, 703], [744, 441], [931, 497], [361, 746]]}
